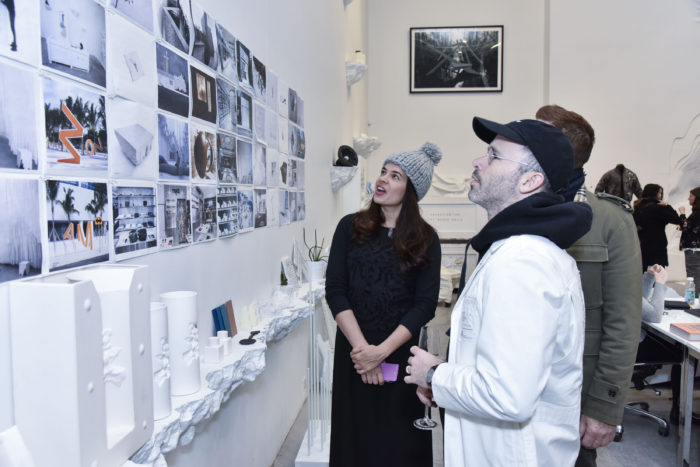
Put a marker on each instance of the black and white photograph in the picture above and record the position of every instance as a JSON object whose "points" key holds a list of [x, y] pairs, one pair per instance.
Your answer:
{"points": [[203, 210], [300, 111], [297, 174], [173, 148], [226, 99], [273, 215], [259, 80], [134, 220], [457, 59], [227, 211], [226, 158], [173, 82], [132, 138], [244, 162], [19, 147], [140, 12], [273, 175], [260, 207], [19, 22], [245, 209], [292, 203], [174, 227], [132, 61], [20, 229], [245, 66], [204, 104], [78, 229], [272, 98], [301, 206], [293, 106], [283, 169], [259, 122], [174, 23], [226, 44], [284, 207], [283, 98], [204, 46], [244, 114], [76, 129], [283, 135], [271, 129], [202, 155], [297, 141], [73, 38], [259, 165]]}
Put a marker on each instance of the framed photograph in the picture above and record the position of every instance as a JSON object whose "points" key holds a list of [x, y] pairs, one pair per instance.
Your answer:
{"points": [[456, 59]]}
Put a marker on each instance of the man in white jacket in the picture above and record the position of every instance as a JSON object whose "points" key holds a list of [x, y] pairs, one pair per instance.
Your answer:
{"points": [[511, 389]]}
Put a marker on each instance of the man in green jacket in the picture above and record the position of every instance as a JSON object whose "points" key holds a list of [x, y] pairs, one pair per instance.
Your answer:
{"points": [[609, 260]]}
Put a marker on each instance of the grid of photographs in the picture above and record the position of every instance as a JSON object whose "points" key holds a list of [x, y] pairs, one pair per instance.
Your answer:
{"points": [[192, 138]]}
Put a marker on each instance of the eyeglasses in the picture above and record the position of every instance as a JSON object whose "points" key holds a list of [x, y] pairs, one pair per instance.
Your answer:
{"points": [[491, 156]]}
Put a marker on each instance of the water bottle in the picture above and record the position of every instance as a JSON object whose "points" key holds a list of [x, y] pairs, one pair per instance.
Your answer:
{"points": [[690, 291]]}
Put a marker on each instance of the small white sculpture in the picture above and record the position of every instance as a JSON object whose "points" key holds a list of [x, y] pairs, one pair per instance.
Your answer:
{"points": [[365, 145], [354, 72]]}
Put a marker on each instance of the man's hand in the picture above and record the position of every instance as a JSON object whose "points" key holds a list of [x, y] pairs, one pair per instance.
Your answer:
{"points": [[373, 376], [595, 434], [418, 366], [367, 357], [425, 396]]}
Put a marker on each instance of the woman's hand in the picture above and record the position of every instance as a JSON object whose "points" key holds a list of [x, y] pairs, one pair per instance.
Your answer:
{"points": [[367, 357], [373, 376]]}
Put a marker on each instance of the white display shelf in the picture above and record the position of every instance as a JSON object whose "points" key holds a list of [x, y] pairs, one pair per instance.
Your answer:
{"points": [[243, 364]]}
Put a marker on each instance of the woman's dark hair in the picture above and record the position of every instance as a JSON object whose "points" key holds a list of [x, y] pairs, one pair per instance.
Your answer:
{"points": [[412, 235], [696, 192], [651, 190]]}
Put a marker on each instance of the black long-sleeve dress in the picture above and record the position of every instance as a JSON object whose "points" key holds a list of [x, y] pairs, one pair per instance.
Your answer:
{"points": [[651, 218], [373, 425]]}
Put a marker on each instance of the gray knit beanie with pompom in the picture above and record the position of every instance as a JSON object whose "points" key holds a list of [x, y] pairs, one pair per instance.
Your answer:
{"points": [[418, 166]]}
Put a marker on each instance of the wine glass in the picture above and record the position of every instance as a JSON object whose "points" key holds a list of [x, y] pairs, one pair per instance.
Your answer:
{"points": [[431, 345]]}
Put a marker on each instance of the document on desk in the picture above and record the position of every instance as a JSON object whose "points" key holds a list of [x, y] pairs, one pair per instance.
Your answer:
{"points": [[688, 331]]}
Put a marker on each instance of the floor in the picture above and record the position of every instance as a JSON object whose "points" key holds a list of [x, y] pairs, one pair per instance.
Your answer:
{"points": [[640, 444]]}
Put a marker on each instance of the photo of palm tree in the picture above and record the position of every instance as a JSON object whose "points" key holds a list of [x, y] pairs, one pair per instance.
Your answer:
{"points": [[78, 230], [76, 129]]}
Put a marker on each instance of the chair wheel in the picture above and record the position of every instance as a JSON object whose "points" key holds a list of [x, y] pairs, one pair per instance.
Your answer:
{"points": [[619, 431]]}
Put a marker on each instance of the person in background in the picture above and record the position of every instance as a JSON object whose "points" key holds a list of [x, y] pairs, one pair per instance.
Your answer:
{"points": [[620, 182], [511, 387], [690, 237], [608, 259], [651, 214], [382, 286]]}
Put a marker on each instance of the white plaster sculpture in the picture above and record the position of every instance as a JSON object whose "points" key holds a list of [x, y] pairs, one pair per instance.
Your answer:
{"points": [[90, 345], [451, 187], [160, 360], [341, 175], [184, 341], [364, 145], [135, 142], [354, 72]]}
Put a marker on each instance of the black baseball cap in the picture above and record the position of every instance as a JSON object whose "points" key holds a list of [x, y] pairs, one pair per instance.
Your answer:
{"points": [[548, 143]]}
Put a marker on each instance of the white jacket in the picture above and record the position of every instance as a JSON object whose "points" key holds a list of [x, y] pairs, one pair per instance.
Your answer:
{"points": [[512, 385]]}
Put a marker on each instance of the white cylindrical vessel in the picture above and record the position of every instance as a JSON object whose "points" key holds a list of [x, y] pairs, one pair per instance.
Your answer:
{"points": [[160, 356], [183, 338], [315, 271]]}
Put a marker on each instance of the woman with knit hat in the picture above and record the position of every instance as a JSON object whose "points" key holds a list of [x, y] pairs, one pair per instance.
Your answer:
{"points": [[382, 286], [690, 236]]}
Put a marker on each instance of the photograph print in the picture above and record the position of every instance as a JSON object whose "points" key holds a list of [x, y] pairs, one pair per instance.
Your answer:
{"points": [[297, 173], [19, 22], [283, 206], [259, 80], [273, 207], [227, 211], [244, 114], [284, 170], [20, 249], [19, 148], [292, 105], [203, 210], [203, 95], [173, 82], [456, 59], [202, 155], [297, 141], [73, 38], [138, 11], [259, 122], [226, 99], [226, 159], [174, 227], [76, 129], [132, 140], [78, 229], [204, 41], [244, 162], [131, 54], [226, 44], [245, 66], [273, 175], [283, 98], [174, 22], [271, 129], [245, 209], [292, 203], [301, 206], [271, 97], [283, 135], [173, 148], [134, 220], [259, 165], [260, 207]]}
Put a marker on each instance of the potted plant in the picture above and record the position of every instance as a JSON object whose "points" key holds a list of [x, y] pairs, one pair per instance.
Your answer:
{"points": [[315, 263]]}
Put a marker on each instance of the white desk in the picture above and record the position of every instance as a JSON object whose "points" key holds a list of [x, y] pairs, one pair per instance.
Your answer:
{"points": [[691, 354]]}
